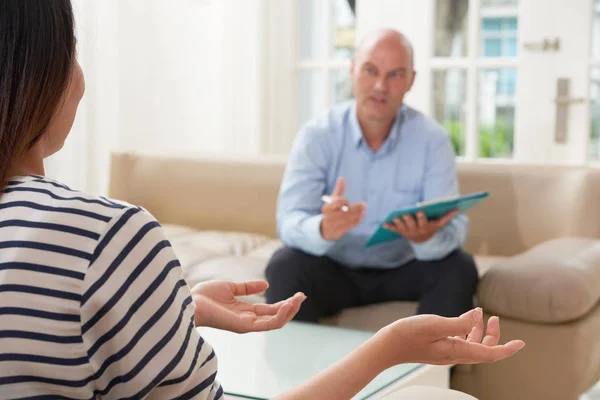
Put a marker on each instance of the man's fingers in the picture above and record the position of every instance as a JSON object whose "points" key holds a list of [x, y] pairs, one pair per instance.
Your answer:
{"points": [[446, 218], [337, 202], [248, 287], [358, 208], [410, 223], [400, 225], [391, 227], [492, 335], [340, 185], [422, 220]]}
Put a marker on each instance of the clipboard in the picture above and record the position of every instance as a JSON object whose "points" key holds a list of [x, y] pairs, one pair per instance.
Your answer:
{"points": [[433, 209]]}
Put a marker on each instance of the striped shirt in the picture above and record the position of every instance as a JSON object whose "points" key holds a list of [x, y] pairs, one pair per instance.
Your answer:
{"points": [[93, 304]]}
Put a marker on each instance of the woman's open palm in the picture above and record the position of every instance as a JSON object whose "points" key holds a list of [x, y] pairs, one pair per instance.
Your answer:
{"points": [[217, 307]]}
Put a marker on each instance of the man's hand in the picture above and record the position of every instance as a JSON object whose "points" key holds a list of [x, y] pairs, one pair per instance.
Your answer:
{"points": [[432, 339], [217, 307], [419, 230], [336, 222]]}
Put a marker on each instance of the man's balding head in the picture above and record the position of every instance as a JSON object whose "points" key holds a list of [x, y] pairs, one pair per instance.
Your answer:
{"points": [[388, 38], [382, 72]]}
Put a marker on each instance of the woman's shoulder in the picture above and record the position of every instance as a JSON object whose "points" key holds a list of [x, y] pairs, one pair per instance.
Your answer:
{"points": [[58, 201]]}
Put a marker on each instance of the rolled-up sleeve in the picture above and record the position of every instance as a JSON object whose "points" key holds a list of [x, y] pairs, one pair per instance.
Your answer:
{"points": [[441, 181]]}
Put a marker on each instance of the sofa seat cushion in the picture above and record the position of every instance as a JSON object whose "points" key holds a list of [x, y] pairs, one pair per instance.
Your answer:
{"points": [[554, 282], [194, 247], [421, 392], [231, 256]]}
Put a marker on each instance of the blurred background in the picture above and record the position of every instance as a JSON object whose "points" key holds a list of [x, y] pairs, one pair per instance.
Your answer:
{"points": [[512, 81]]}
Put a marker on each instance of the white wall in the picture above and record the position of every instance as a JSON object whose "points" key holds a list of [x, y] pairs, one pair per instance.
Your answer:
{"points": [[169, 75], [190, 75], [178, 75]]}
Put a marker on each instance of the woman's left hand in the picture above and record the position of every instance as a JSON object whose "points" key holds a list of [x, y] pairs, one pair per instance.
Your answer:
{"points": [[217, 307]]}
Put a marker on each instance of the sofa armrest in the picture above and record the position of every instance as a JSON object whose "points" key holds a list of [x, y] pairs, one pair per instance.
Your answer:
{"points": [[427, 393], [554, 282]]}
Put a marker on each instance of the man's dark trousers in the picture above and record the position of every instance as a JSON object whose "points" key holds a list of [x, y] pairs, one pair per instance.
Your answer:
{"points": [[444, 287]]}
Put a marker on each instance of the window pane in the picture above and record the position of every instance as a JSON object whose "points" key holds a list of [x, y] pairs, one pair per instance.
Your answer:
{"points": [[492, 48], [449, 96], [341, 86], [511, 49], [451, 23], [596, 31], [496, 112], [344, 34], [492, 24], [511, 24], [595, 122], [311, 30], [499, 3], [499, 29], [311, 95]]}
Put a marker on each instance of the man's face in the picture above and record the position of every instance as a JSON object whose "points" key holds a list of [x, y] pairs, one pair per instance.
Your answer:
{"points": [[381, 75]]}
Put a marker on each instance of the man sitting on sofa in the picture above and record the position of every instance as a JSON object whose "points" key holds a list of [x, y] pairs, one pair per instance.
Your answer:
{"points": [[378, 152]]}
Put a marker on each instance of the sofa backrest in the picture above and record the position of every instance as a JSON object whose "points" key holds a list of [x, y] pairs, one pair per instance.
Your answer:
{"points": [[527, 205], [209, 192]]}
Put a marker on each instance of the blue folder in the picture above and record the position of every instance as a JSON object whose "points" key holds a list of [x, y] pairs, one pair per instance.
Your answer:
{"points": [[432, 209]]}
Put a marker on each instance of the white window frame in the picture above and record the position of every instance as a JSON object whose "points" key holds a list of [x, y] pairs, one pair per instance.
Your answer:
{"points": [[594, 63], [327, 65], [472, 64]]}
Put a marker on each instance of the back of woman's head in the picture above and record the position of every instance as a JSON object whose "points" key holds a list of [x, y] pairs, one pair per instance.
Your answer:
{"points": [[37, 54]]}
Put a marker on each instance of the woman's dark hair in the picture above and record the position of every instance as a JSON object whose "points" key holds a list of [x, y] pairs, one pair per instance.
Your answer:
{"points": [[37, 54]]}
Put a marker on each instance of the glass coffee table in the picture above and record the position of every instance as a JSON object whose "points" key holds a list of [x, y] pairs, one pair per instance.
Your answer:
{"points": [[264, 364]]}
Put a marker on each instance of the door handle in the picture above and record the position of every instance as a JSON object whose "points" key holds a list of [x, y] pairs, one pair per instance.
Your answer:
{"points": [[545, 45], [572, 100], [563, 101]]}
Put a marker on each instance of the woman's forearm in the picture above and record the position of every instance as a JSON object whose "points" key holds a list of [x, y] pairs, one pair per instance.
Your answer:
{"points": [[345, 378]]}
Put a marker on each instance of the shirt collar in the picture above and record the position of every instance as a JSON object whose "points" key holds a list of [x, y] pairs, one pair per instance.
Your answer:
{"points": [[392, 139]]}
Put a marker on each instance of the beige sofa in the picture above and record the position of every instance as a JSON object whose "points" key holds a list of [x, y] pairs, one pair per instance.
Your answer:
{"points": [[536, 241]]}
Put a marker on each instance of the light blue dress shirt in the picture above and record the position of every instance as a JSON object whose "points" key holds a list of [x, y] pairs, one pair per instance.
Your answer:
{"points": [[416, 163]]}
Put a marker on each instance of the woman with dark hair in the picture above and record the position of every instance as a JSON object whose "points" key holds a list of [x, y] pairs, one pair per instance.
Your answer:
{"points": [[92, 299]]}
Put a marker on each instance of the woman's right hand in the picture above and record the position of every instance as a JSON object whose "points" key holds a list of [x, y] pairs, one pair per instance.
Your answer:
{"points": [[428, 339], [432, 339]]}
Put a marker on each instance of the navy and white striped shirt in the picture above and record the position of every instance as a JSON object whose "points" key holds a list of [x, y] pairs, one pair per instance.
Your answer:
{"points": [[93, 304]]}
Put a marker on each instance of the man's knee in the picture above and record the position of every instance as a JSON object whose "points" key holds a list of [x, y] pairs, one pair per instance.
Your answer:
{"points": [[285, 262], [284, 272], [462, 266]]}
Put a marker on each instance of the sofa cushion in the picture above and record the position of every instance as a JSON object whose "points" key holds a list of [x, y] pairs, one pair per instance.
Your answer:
{"points": [[194, 247], [554, 282], [420, 392], [234, 269]]}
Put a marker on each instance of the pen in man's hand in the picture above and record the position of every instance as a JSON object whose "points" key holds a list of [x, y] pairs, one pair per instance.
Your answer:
{"points": [[327, 199]]}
